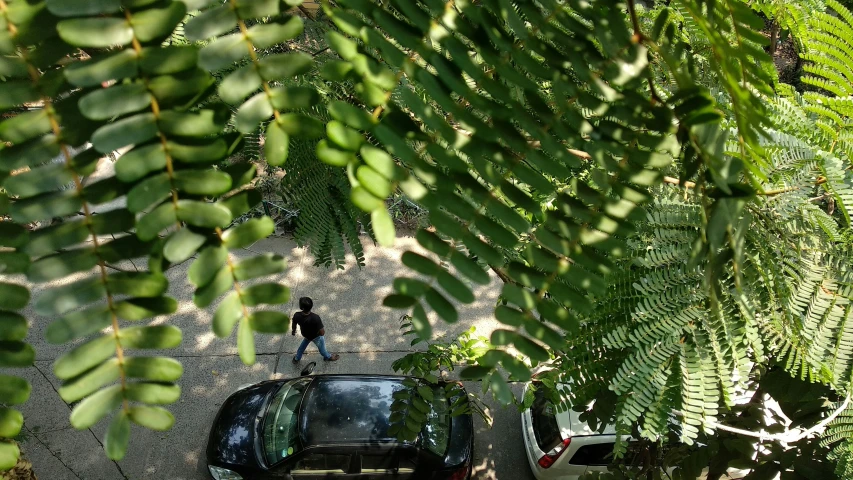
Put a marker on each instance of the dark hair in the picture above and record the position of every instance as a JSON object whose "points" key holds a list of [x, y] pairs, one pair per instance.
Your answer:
{"points": [[305, 304]]}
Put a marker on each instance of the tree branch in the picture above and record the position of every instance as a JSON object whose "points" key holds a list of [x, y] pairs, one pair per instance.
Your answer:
{"points": [[789, 436]]}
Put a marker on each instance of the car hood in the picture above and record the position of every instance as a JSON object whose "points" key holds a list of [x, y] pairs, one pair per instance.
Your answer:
{"points": [[232, 437]]}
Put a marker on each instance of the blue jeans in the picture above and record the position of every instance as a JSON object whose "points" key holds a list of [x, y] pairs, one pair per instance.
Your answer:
{"points": [[321, 345]]}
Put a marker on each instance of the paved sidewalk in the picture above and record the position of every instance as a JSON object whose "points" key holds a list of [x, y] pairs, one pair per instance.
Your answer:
{"points": [[358, 327]]}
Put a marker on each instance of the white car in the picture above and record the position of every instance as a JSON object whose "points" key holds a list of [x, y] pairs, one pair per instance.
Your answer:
{"points": [[560, 446]]}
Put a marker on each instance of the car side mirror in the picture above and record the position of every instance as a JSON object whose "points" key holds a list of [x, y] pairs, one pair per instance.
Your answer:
{"points": [[308, 369]]}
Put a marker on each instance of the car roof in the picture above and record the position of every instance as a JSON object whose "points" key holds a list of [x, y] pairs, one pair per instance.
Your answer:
{"points": [[348, 409], [571, 425]]}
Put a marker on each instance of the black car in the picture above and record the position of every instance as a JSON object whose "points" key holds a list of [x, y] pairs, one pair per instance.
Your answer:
{"points": [[333, 426]]}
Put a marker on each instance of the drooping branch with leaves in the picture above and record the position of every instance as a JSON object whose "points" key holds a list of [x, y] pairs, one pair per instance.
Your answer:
{"points": [[669, 221]]}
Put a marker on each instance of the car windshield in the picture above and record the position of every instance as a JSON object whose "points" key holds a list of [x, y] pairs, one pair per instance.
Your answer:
{"points": [[436, 431], [281, 423]]}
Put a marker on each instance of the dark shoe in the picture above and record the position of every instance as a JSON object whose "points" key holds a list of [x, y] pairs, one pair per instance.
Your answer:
{"points": [[295, 360], [333, 358]]}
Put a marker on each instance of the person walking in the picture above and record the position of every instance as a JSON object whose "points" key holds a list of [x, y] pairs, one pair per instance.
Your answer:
{"points": [[311, 328]]}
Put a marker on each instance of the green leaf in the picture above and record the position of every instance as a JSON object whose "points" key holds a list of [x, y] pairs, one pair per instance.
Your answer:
{"points": [[475, 372], [9, 454], [31, 153], [150, 337], [441, 305], [500, 388], [248, 9], [98, 32], [421, 264], [117, 436], [230, 310], [380, 161], [343, 136], [16, 93], [352, 116], [298, 124], [39, 180], [265, 35], [366, 201], [260, 266], [336, 70], [373, 182], [78, 8], [153, 393], [15, 297], [239, 84], [383, 227], [13, 235], [517, 369], [248, 232], [334, 156], [152, 223], [42, 207], [157, 23], [195, 124], [142, 308], [222, 52], [13, 262], [14, 390], [202, 214], [11, 422], [57, 266], [91, 410], [469, 268], [137, 284], [114, 101], [83, 357], [99, 69], [90, 381], [399, 301], [276, 145], [78, 324], [410, 286], [221, 283], [155, 418], [156, 369], [420, 322], [182, 244], [267, 321], [59, 300], [294, 98], [202, 182], [211, 23], [265, 293], [206, 266], [13, 326], [242, 202], [131, 130], [25, 126], [246, 343], [285, 65], [157, 60], [140, 161], [254, 111], [510, 316], [240, 174]]}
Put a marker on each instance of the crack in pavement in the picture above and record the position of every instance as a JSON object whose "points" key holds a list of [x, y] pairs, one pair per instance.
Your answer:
{"points": [[33, 435], [118, 467]]}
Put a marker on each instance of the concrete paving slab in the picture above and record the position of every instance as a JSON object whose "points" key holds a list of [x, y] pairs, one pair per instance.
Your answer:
{"points": [[44, 412], [80, 452], [178, 454], [46, 465]]}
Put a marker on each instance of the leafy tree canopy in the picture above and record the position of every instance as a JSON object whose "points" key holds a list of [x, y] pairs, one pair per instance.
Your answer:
{"points": [[671, 223]]}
